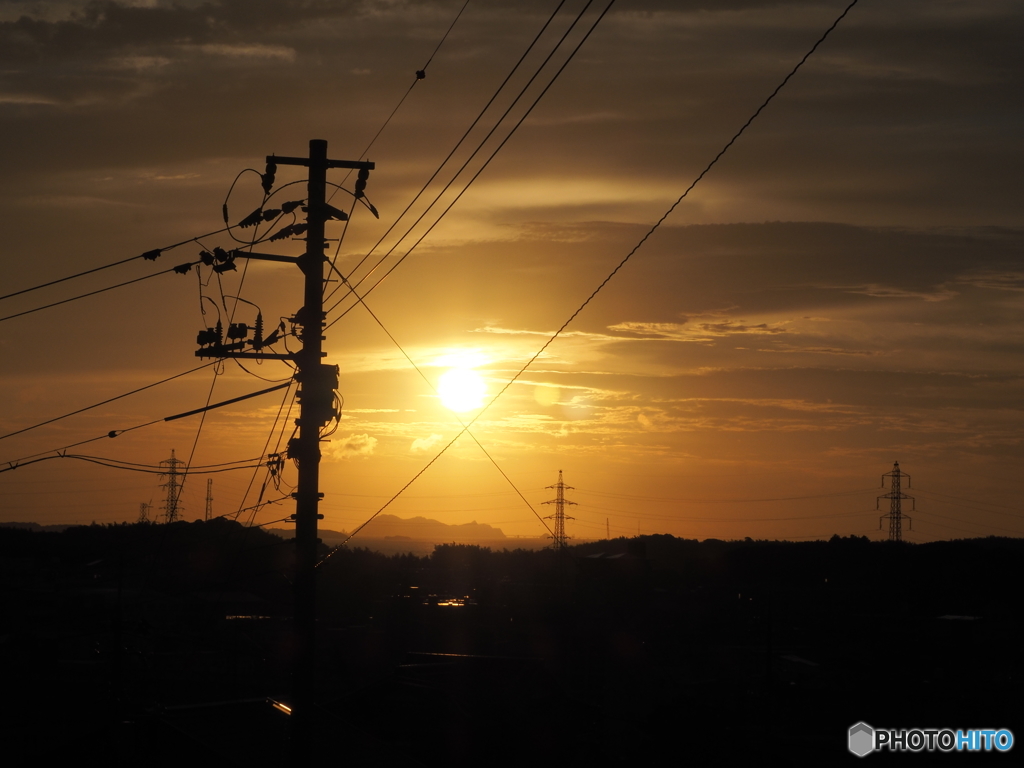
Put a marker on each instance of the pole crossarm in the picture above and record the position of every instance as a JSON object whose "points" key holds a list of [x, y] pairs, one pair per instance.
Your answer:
{"points": [[359, 165]]}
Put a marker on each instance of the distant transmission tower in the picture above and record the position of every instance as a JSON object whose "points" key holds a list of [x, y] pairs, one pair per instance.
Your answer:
{"points": [[560, 517], [896, 497], [173, 485], [209, 498], [144, 512]]}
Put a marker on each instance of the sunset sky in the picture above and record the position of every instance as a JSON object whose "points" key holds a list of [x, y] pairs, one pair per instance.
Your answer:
{"points": [[843, 290]]}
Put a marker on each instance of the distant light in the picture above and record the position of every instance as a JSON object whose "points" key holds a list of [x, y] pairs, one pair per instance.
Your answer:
{"points": [[280, 707]]}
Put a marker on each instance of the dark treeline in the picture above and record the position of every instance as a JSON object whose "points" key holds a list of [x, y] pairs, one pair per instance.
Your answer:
{"points": [[435, 660]]}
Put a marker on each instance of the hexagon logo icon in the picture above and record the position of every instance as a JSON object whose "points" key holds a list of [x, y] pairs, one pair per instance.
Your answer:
{"points": [[862, 739]]}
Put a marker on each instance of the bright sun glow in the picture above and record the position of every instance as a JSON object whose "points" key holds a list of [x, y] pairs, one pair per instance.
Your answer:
{"points": [[461, 389]]}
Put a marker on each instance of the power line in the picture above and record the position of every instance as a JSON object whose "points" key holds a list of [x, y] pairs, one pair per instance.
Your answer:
{"points": [[465, 429], [115, 464], [109, 400], [479, 147], [728, 501], [149, 255], [181, 269], [459, 143], [25, 460], [614, 271], [420, 75]]}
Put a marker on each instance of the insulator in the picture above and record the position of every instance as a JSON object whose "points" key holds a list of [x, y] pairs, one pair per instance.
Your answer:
{"points": [[219, 330], [238, 331], [257, 333], [208, 337], [152, 255], [252, 219], [421, 74], [224, 212], [183, 269], [364, 174], [271, 213], [291, 205], [268, 177], [227, 266], [282, 233], [220, 254], [206, 257]]}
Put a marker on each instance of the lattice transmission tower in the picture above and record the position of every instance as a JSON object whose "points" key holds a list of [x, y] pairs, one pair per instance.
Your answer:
{"points": [[172, 505], [209, 498], [560, 517], [896, 498]]}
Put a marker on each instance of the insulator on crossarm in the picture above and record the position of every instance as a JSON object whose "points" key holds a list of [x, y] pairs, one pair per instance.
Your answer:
{"points": [[252, 219], [184, 269], [361, 179], [209, 337], [238, 331], [257, 333], [268, 177], [271, 213], [282, 233], [206, 257], [152, 255], [291, 205]]}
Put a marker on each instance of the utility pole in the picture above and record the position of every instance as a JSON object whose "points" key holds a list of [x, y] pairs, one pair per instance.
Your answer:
{"points": [[896, 497], [173, 485], [317, 384], [209, 498], [560, 517]]}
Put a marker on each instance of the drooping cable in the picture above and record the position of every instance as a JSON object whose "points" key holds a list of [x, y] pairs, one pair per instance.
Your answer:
{"points": [[150, 255], [15, 463], [181, 268], [614, 271], [420, 75], [470, 182], [462, 139], [465, 429], [110, 400]]}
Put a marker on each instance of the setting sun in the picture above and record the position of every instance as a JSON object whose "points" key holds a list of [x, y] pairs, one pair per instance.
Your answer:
{"points": [[461, 389]]}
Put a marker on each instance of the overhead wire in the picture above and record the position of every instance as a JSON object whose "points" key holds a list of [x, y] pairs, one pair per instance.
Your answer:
{"points": [[471, 435], [270, 436], [23, 461], [462, 139], [621, 264], [150, 469], [151, 255], [109, 400], [420, 75], [178, 268], [482, 168]]}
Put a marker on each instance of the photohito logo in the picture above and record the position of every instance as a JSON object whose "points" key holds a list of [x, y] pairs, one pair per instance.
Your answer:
{"points": [[864, 739]]}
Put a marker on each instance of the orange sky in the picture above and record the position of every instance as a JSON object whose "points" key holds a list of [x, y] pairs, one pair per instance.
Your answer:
{"points": [[843, 290]]}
